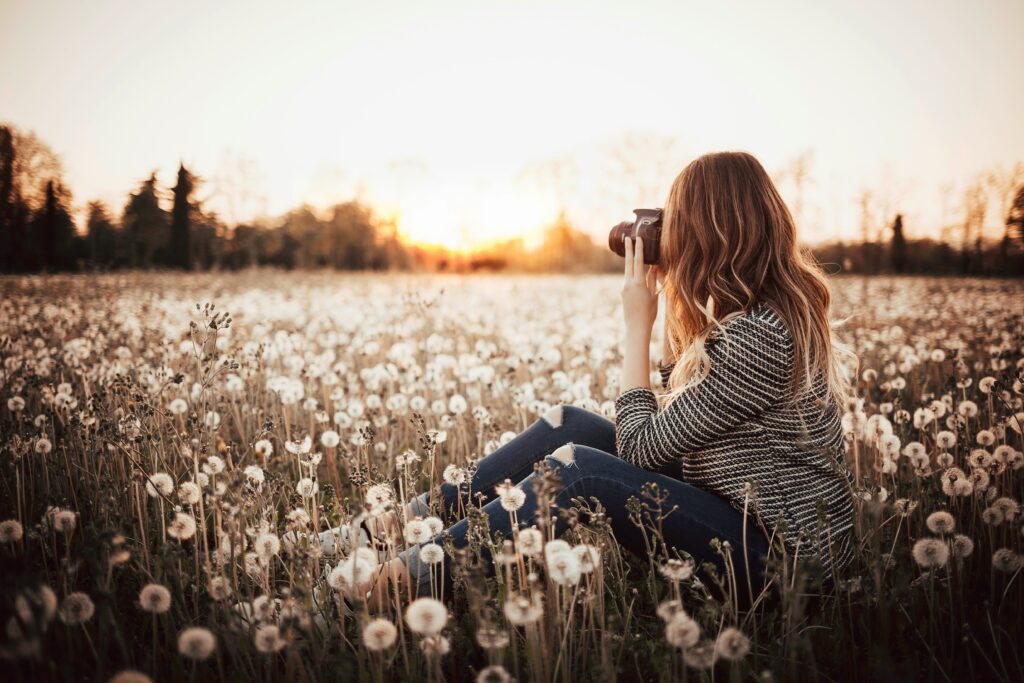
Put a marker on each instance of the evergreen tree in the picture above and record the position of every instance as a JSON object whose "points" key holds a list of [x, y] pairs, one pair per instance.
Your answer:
{"points": [[8, 201], [145, 225], [899, 245], [101, 236], [55, 229], [180, 251]]}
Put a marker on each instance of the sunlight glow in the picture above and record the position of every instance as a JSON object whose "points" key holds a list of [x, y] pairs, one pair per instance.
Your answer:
{"points": [[479, 220]]}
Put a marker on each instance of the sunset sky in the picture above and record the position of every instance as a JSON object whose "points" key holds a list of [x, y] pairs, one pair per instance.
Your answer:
{"points": [[475, 120]]}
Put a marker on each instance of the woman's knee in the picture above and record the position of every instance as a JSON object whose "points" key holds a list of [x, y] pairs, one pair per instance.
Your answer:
{"points": [[583, 459], [563, 414]]}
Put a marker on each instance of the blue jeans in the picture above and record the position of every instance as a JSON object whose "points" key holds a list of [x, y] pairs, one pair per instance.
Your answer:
{"points": [[593, 469]]}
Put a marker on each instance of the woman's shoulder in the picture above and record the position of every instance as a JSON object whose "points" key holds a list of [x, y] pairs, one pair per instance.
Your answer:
{"points": [[760, 322]]}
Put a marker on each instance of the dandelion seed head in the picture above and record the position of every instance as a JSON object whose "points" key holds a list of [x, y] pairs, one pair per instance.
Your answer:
{"points": [[1005, 560], [675, 569], [155, 598], [700, 656], [379, 634], [492, 638], [182, 526], [219, 588], [11, 531], [299, 447], [196, 643], [267, 545], [530, 542], [77, 608], [731, 644], [254, 473], [961, 545], [160, 484], [431, 553], [306, 487], [682, 631], [267, 639], [417, 531], [214, 465], [563, 568], [930, 553], [64, 521], [350, 575], [520, 609], [189, 493], [454, 475], [940, 522], [434, 524], [426, 616], [968, 409]]}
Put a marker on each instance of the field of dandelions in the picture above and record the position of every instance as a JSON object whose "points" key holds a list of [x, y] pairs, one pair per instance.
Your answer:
{"points": [[173, 445]]}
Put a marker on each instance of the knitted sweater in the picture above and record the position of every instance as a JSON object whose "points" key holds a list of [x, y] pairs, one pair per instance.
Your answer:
{"points": [[737, 426]]}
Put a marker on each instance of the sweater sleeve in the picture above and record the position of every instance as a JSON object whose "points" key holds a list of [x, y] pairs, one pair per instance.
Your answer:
{"points": [[748, 373]]}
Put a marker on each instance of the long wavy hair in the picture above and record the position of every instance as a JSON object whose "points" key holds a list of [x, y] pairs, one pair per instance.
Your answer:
{"points": [[728, 242]]}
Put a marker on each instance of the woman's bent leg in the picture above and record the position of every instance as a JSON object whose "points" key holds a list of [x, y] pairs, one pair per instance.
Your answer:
{"points": [[585, 471], [514, 460]]}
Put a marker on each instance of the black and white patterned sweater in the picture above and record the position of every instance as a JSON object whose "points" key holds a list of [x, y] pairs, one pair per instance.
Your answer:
{"points": [[738, 426]]}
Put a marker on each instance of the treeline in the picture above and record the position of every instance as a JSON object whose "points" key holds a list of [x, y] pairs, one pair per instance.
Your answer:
{"points": [[170, 228], [899, 255], [37, 232]]}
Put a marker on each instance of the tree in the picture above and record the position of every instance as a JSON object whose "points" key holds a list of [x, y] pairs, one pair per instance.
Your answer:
{"points": [[55, 229], [974, 206], [179, 251], [101, 236], [145, 224], [27, 165], [899, 245], [1015, 220], [9, 201], [1004, 183]]}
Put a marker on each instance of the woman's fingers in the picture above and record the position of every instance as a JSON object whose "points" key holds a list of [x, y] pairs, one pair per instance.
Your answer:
{"points": [[628, 246], [652, 279], [638, 258]]}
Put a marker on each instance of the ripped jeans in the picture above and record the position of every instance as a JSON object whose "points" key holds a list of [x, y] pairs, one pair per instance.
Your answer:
{"points": [[580, 444]]}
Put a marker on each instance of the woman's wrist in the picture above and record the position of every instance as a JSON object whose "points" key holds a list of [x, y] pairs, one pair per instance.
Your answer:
{"points": [[638, 337], [636, 362]]}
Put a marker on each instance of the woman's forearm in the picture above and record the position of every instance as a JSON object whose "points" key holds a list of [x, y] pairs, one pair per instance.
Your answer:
{"points": [[636, 360]]}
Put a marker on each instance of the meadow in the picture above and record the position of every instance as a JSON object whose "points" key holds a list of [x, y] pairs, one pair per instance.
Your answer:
{"points": [[171, 443]]}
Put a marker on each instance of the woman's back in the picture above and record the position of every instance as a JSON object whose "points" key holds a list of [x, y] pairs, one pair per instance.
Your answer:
{"points": [[738, 428]]}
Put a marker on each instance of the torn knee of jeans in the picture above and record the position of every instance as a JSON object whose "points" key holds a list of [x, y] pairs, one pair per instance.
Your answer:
{"points": [[553, 416], [565, 454]]}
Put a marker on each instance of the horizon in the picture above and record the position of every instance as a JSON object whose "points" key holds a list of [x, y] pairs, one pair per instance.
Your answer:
{"points": [[512, 116]]}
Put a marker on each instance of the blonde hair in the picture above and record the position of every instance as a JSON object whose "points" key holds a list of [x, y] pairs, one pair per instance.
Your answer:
{"points": [[728, 236]]}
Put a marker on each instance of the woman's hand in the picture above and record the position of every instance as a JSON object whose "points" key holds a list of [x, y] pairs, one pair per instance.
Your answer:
{"points": [[639, 291]]}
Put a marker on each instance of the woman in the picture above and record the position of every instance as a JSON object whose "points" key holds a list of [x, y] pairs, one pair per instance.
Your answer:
{"points": [[747, 434]]}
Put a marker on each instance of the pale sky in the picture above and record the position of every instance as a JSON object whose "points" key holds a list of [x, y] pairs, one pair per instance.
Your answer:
{"points": [[479, 119]]}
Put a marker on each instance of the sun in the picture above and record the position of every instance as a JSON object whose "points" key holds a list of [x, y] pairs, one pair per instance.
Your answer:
{"points": [[477, 221]]}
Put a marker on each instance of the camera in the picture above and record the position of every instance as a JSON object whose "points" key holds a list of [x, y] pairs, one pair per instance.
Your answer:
{"points": [[647, 226]]}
